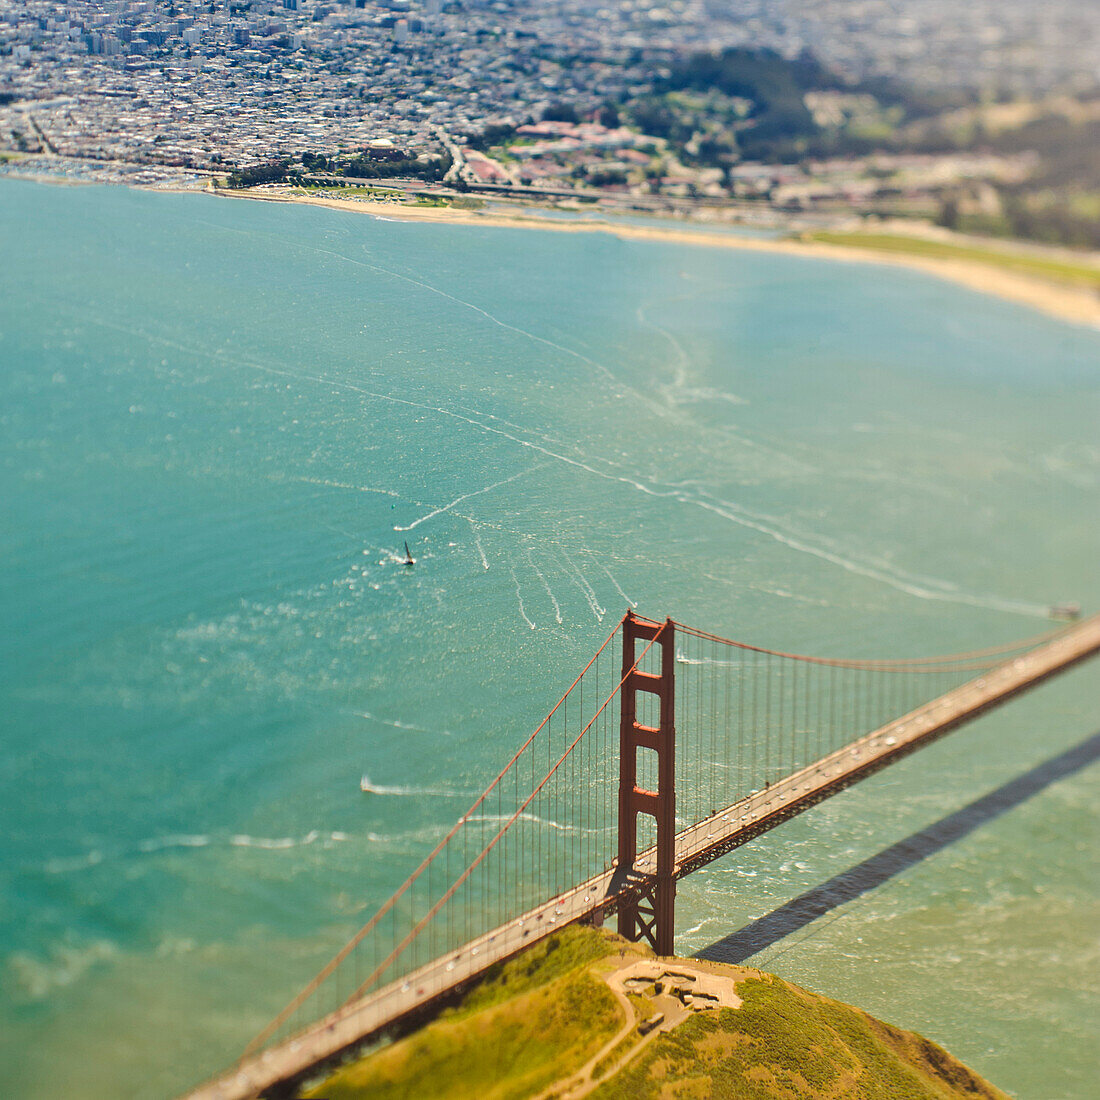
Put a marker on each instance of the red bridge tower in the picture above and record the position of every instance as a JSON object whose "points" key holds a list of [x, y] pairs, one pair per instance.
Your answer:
{"points": [[651, 912]]}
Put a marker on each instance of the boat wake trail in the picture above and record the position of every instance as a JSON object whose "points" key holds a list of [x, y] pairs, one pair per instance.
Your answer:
{"points": [[680, 366], [184, 841], [466, 305], [924, 588], [519, 598], [618, 587], [533, 819], [466, 496], [586, 589], [405, 726], [546, 585], [480, 548], [243, 840], [179, 840], [367, 787]]}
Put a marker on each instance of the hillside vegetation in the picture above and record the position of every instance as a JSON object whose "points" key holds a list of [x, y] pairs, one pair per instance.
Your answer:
{"points": [[1043, 267], [509, 1038], [785, 1042], [534, 1022], [718, 109]]}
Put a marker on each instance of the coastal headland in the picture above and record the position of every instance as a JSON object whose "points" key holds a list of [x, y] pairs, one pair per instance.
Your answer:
{"points": [[587, 1013]]}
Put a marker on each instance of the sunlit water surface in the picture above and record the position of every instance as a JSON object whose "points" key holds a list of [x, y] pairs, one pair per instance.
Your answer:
{"points": [[219, 421]]}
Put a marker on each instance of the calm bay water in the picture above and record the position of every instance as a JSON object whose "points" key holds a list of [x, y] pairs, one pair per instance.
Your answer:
{"points": [[219, 421]]}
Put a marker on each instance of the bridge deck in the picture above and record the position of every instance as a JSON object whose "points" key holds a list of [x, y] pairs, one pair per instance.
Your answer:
{"points": [[695, 847]]}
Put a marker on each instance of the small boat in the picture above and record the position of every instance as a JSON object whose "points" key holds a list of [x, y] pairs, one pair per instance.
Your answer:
{"points": [[1068, 611], [409, 559]]}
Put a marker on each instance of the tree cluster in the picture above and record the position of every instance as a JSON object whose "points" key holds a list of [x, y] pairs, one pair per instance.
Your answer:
{"points": [[399, 166], [275, 172]]}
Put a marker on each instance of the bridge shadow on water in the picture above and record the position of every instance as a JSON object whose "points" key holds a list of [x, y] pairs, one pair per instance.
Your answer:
{"points": [[880, 868]]}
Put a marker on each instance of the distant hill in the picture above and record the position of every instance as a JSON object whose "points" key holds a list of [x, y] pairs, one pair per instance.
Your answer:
{"points": [[586, 1014]]}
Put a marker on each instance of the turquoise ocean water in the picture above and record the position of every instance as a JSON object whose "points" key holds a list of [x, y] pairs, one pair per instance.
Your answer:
{"points": [[219, 421]]}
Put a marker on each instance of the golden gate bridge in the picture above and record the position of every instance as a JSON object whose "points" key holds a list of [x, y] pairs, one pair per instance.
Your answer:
{"points": [[669, 750]]}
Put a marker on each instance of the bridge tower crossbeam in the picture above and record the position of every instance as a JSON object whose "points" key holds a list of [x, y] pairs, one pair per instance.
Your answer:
{"points": [[650, 908]]}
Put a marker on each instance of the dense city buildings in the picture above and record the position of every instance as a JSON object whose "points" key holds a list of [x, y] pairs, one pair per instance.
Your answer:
{"points": [[557, 96]]}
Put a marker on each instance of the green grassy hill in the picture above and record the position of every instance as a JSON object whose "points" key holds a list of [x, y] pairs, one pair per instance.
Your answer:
{"points": [[786, 1042], [547, 1024]]}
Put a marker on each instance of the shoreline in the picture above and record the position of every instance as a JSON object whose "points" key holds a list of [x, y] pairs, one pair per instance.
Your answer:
{"points": [[1063, 301]]}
